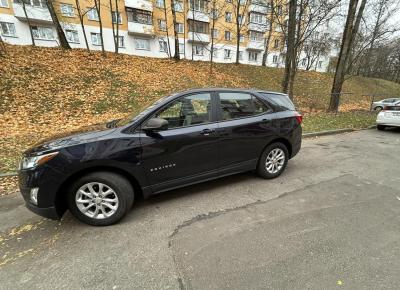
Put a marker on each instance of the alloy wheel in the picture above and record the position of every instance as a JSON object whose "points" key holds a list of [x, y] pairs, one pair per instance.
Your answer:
{"points": [[275, 160]]}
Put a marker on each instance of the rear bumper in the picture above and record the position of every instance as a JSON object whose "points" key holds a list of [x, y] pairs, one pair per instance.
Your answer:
{"points": [[296, 141]]}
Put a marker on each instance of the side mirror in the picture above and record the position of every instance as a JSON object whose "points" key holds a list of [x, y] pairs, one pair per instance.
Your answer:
{"points": [[155, 124]]}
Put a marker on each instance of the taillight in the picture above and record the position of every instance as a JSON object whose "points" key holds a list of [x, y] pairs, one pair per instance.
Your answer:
{"points": [[299, 118]]}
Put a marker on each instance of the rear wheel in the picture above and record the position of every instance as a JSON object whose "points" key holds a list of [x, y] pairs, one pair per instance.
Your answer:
{"points": [[100, 198], [273, 160], [381, 127]]}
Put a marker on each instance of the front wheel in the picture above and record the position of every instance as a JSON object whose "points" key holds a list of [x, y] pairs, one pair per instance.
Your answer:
{"points": [[273, 161], [100, 198], [380, 127]]}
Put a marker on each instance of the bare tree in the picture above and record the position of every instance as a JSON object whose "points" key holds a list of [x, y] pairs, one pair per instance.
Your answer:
{"points": [[176, 37], [290, 54], [166, 28], [354, 16], [97, 4], [24, 2], [267, 39], [60, 32], [80, 16], [240, 10]]}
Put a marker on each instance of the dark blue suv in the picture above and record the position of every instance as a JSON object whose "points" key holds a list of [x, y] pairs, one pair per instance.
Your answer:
{"points": [[182, 139]]}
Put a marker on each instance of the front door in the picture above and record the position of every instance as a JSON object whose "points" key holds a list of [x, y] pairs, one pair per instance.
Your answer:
{"points": [[188, 148]]}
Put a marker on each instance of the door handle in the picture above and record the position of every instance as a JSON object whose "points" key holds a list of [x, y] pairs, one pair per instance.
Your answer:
{"points": [[207, 132]]}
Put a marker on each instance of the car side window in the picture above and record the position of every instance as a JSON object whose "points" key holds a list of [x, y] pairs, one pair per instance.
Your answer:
{"points": [[187, 111], [239, 105]]}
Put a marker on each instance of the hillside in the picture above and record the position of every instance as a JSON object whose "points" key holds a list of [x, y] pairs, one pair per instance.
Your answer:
{"points": [[47, 90]]}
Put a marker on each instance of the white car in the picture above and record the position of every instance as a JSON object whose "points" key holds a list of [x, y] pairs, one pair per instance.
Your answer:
{"points": [[388, 117]]}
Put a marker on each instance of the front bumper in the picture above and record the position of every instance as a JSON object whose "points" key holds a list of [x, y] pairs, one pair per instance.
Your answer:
{"points": [[47, 205]]}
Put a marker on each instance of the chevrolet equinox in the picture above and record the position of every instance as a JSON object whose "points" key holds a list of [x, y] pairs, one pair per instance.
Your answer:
{"points": [[182, 139]]}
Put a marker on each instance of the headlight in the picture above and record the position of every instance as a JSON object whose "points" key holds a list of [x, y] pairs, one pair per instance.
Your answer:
{"points": [[33, 161]]}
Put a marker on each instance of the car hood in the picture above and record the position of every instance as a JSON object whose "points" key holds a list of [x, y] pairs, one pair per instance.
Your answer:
{"points": [[70, 138]]}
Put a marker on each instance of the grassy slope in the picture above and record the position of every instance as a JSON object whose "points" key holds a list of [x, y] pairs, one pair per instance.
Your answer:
{"points": [[44, 91]]}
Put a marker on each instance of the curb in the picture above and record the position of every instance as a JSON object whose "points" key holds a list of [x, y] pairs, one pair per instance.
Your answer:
{"points": [[329, 132], [306, 135]]}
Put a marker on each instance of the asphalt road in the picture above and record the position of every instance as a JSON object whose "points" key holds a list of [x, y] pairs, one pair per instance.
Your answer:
{"points": [[331, 221]]}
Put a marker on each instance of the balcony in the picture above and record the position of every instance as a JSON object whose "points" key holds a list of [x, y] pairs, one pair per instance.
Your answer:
{"points": [[255, 45], [257, 7], [140, 29], [258, 27], [198, 37], [35, 14], [139, 4], [198, 16]]}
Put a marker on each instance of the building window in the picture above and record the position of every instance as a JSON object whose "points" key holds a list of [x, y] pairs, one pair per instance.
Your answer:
{"points": [[67, 10], [35, 3], [163, 45], [276, 43], [240, 55], [198, 50], [96, 39], [139, 16], [198, 5], [40, 32], [242, 2], [160, 3], [215, 52], [228, 16], [279, 9], [214, 14], [275, 59], [7, 29], [142, 44], [258, 18], [178, 5], [227, 53], [256, 36], [320, 64], [121, 41], [4, 3], [241, 38], [72, 36], [197, 26], [240, 18], [179, 27], [214, 33], [253, 56], [181, 48], [304, 62], [116, 17], [162, 25], [227, 35], [92, 14]]}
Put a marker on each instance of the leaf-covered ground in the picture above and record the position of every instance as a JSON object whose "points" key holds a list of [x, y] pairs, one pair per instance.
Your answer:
{"points": [[44, 91]]}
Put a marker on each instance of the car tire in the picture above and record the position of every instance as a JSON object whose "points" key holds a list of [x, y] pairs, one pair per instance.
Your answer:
{"points": [[270, 164], [380, 127], [378, 109], [100, 198]]}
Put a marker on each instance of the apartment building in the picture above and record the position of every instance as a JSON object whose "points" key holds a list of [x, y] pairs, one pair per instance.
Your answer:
{"points": [[145, 27]]}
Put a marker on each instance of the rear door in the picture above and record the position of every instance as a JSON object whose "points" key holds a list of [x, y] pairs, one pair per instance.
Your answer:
{"points": [[245, 127], [189, 146]]}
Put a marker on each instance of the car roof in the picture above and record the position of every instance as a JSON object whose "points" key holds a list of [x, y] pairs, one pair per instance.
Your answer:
{"points": [[219, 89]]}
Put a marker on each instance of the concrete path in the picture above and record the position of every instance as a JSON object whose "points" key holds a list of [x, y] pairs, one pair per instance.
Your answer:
{"points": [[331, 221]]}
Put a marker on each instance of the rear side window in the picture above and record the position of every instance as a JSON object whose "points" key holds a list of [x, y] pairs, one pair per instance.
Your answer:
{"points": [[282, 102], [239, 105]]}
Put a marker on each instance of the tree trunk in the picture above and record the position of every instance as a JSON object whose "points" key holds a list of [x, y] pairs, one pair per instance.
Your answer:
{"points": [[97, 3], [166, 26], [268, 39], [78, 7], [29, 22], [237, 31], [116, 9], [112, 27], [176, 44], [348, 37], [290, 45], [60, 32]]}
